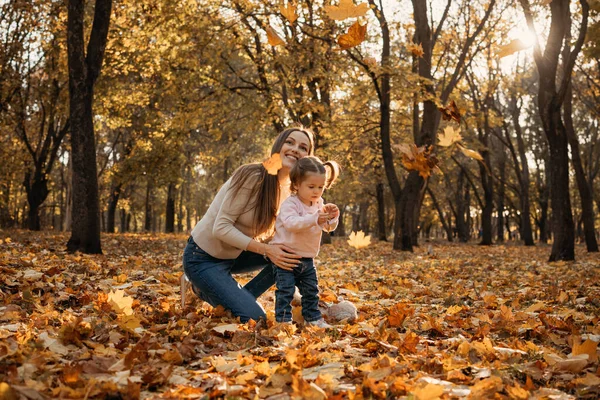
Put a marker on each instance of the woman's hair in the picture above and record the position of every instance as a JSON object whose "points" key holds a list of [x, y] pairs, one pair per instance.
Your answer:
{"points": [[265, 187], [312, 164]]}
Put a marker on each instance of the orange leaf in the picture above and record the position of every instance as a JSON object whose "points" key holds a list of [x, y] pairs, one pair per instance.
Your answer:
{"points": [[354, 37], [450, 112], [416, 49], [398, 313], [346, 9], [588, 347], [273, 37], [289, 12], [273, 164]]}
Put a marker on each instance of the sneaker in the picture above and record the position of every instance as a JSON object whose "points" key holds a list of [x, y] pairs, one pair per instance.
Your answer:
{"points": [[320, 323], [184, 286]]}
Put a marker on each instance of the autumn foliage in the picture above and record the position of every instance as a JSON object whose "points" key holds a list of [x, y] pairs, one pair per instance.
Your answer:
{"points": [[449, 321]]}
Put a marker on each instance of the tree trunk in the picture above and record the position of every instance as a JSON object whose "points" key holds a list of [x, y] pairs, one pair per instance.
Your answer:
{"points": [[447, 226], [550, 100], [500, 198], [148, 207], [113, 200], [36, 187], [83, 72], [170, 211], [381, 229], [341, 228], [585, 192]]}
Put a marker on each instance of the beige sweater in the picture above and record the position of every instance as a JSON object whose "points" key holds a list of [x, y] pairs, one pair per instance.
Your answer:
{"points": [[227, 227]]}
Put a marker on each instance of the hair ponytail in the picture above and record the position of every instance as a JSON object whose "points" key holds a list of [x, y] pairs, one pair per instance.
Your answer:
{"points": [[333, 172]]}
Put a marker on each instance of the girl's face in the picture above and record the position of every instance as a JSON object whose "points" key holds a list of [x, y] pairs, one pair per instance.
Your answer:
{"points": [[311, 188], [295, 147]]}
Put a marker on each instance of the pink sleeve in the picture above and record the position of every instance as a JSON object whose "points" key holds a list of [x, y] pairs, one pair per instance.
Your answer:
{"points": [[289, 214]]}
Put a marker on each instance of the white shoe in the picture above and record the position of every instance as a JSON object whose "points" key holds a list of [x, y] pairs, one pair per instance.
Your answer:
{"points": [[320, 323], [184, 287]]}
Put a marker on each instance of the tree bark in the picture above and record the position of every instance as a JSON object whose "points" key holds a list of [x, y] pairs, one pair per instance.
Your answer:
{"points": [[446, 224], [83, 73], [550, 100], [170, 211], [113, 200], [381, 230]]}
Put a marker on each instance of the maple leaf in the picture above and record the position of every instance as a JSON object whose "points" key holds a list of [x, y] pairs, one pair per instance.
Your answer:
{"points": [[358, 240], [346, 9], [289, 12], [449, 137], [450, 112], [272, 36], [418, 159], [470, 153], [354, 37], [273, 164], [120, 302], [511, 48], [416, 49], [398, 313]]}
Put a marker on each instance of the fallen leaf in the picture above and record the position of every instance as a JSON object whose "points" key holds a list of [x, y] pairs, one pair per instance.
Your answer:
{"points": [[120, 302]]}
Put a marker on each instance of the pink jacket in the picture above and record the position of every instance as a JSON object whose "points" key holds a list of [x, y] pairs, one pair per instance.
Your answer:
{"points": [[296, 226]]}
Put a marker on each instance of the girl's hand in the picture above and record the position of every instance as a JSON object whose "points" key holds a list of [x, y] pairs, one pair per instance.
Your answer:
{"points": [[332, 210], [323, 218], [282, 256]]}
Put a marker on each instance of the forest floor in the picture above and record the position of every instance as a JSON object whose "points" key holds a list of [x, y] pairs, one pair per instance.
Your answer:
{"points": [[447, 321]]}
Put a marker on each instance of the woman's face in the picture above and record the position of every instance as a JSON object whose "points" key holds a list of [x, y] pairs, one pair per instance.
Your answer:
{"points": [[295, 147]]}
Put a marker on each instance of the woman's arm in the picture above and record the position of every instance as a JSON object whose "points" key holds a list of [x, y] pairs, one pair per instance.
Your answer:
{"points": [[279, 254]]}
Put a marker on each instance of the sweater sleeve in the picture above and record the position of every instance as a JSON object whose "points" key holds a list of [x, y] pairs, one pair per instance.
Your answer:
{"points": [[232, 207], [289, 214]]}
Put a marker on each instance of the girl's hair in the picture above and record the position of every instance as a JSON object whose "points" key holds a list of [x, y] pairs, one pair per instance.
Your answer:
{"points": [[312, 164], [264, 187]]}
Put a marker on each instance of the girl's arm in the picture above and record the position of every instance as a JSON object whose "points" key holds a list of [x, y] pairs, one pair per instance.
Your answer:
{"points": [[289, 214]]}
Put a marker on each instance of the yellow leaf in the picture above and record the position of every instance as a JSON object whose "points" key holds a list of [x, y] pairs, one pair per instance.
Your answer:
{"points": [[120, 303], [346, 9], [416, 49], [588, 347], [470, 153], [429, 392], [130, 322], [354, 37], [358, 240], [511, 48], [289, 12], [263, 368], [273, 164], [449, 137], [454, 310], [273, 37]]}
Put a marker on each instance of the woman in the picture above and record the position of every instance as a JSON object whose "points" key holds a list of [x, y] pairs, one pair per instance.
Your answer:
{"points": [[229, 239]]}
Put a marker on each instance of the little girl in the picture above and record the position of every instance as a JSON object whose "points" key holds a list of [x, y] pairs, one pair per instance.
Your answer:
{"points": [[301, 219]]}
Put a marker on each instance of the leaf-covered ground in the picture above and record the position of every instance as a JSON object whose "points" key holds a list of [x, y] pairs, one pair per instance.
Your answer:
{"points": [[448, 321]]}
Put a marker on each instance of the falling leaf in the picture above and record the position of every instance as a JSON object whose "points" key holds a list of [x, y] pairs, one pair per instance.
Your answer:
{"points": [[450, 112], [346, 9], [511, 48], [416, 49], [354, 37], [418, 159], [289, 12], [120, 302], [370, 61], [273, 164], [470, 153], [272, 36], [358, 240], [449, 137]]}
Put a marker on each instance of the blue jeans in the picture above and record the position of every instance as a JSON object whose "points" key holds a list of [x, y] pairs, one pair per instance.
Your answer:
{"points": [[213, 276], [305, 277]]}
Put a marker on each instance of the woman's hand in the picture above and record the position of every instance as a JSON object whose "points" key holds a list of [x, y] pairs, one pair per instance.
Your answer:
{"points": [[282, 256]]}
